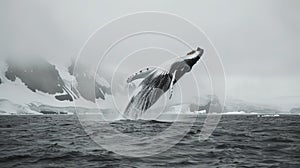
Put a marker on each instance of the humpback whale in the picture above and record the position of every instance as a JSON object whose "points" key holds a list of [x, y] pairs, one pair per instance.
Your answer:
{"points": [[154, 82]]}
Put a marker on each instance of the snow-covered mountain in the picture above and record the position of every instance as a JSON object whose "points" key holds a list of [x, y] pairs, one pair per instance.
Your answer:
{"points": [[236, 105], [295, 110], [24, 84]]}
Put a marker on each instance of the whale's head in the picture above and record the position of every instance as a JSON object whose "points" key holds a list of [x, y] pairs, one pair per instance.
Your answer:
{"points": [[186, 63], [193, 57]]}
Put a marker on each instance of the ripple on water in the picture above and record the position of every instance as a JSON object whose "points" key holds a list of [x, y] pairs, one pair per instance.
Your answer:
{"points": [[60, 141]]}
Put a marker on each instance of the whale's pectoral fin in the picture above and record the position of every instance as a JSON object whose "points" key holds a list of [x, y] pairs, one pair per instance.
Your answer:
{"points": [[140, 74], [172, 84]]}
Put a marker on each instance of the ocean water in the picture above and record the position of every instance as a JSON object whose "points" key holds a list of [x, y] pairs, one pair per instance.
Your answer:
{"points": [[238, 141]]}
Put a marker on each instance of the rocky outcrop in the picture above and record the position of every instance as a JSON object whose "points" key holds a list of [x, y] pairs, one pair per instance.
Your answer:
{"points": [[88, 87], [295, 110]]}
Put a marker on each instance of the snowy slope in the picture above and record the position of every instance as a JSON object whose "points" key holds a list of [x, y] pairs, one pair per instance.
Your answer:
{"points": [[9, 108]]}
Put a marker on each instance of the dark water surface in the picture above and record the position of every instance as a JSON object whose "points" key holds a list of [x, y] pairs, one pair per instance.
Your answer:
{"points": [[238, 141]]}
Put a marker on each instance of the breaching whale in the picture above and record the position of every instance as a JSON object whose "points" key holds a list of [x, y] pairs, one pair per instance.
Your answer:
{"points": [[154, 82]]}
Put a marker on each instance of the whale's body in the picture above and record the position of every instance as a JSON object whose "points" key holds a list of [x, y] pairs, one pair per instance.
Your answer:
{"points": [[155, 82]]}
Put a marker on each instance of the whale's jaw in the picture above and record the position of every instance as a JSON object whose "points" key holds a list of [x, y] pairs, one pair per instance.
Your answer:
{"points": [[193, 57], [192, 62]]}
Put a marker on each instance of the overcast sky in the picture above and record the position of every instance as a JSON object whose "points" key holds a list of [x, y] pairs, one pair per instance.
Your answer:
{"points": [[258, 41]]}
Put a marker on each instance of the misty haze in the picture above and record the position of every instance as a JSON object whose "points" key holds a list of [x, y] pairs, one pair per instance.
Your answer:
{"points": [[149, 83]]}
